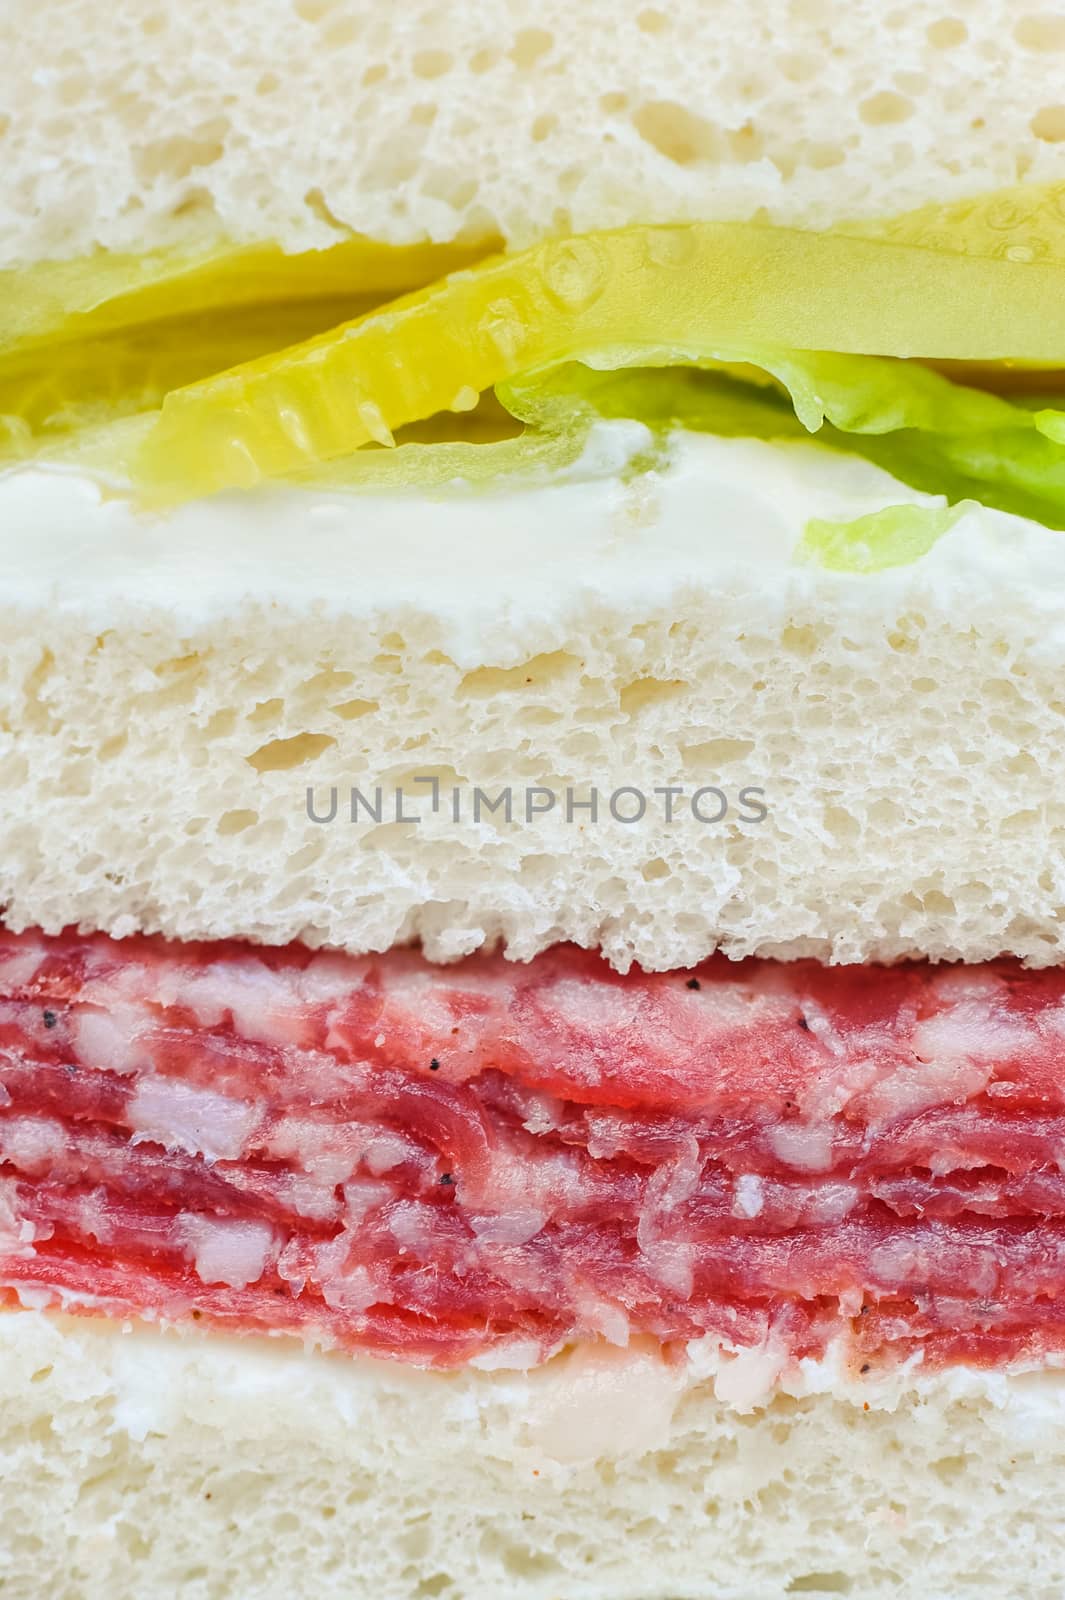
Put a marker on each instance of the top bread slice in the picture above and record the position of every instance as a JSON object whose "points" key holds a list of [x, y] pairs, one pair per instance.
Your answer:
{"points": [[304, 120]]}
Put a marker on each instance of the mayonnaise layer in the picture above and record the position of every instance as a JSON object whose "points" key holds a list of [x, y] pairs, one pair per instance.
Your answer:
{"points": [[714, 507]]}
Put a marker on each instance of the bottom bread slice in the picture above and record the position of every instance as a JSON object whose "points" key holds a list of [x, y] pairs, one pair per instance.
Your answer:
{"points": [[143, 1462]]}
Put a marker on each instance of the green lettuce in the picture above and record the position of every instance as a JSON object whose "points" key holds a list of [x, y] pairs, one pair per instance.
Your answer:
{"points": [[892, 537], [936, 435]]}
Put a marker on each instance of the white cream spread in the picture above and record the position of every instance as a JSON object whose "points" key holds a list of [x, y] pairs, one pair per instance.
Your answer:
{"points": [[468, 554]]}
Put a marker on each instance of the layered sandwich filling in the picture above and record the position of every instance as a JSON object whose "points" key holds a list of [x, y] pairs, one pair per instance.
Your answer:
{"points": [[487, 1162], [930, 343]]}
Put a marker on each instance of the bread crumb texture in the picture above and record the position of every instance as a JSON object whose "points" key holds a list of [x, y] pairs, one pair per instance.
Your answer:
{"points": [[306, 119], [202, 1468], [907, 742]]}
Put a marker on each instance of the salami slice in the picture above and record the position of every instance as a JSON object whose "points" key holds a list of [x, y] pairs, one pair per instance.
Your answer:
{"points": [[489, 1161]]}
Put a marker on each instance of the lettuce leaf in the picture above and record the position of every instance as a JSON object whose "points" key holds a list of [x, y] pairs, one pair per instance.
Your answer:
{"points": [[892, 537], [935, 435], [1052, 424]]}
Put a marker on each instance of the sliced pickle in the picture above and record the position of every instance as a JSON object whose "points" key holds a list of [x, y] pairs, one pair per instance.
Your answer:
{"points": [[88, 341], [58, 300], [638, 296], [250, 364], [76, 383]]}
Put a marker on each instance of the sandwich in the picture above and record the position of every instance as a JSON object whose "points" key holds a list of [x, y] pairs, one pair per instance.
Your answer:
{"points": [[532, 972]]}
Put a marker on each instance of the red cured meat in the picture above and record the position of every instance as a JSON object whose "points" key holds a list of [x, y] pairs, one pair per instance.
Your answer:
{"points": [[488, 1161]]}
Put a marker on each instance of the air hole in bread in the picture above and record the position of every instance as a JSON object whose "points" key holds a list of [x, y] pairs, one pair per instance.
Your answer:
{"points": [[283, 755], [946, 33], [179, 156], [266, 712], [821, 1583], [649, 691], [1043, 30], [484, 60], [341, 32], [714, 753], [432, 63], [231, 822], [885, 107], [351, 710], [539, 672], [677, 133], [1049, 124], [529, 45]]}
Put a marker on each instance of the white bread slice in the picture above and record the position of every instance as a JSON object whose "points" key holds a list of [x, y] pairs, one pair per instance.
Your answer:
{"points": [[141, 1463], [171, 687], [301, 120]]}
